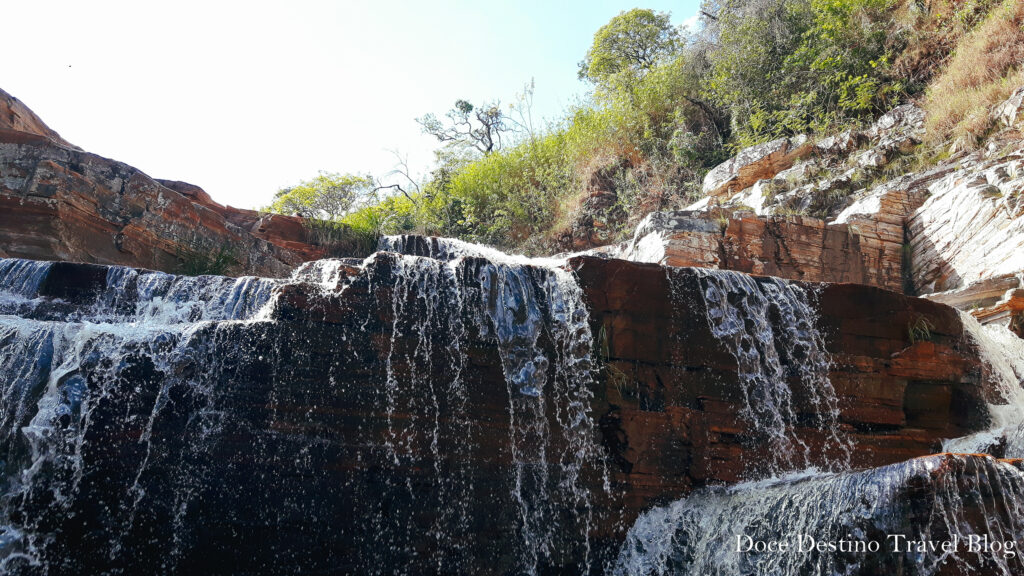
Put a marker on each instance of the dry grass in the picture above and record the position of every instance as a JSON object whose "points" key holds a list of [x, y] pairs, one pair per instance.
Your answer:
{"points": [[924, 40], [983, 72]]}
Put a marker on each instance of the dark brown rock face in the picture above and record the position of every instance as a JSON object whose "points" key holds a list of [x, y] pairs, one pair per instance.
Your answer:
{"points": [[419, 415], [896, 398], [60, 203]]}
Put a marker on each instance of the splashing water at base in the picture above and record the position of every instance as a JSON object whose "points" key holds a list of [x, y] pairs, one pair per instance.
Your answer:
{"points": [[943, 498], [1003, 373]]}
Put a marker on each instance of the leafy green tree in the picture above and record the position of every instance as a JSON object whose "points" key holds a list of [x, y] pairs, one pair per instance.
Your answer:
{"points": [[631, 43], [328, 196], [788, 66]]}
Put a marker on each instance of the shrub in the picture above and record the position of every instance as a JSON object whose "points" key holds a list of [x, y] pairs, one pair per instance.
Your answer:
{"points": [[790, 66], [508, 196]]}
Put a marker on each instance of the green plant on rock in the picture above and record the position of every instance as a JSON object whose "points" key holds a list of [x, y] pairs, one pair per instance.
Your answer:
{"points": [[196, 259], [920, 330]]}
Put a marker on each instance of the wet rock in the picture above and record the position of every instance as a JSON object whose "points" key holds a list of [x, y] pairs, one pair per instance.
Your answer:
{"points": [[366, 420], [947, 514]]}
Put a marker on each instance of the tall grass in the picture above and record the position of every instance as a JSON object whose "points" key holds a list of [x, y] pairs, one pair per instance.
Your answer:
{"points": [[984, 70]]}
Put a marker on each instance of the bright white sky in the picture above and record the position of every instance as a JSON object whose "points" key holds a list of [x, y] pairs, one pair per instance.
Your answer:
{"points": [[243, 98]]}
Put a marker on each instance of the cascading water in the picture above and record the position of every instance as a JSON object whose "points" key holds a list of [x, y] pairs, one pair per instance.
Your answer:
{"points": [[134, 400], [769, 326], [60, 378], [974, 503], [1003, 355], [518, 302], [427, 409], [893, 518]]}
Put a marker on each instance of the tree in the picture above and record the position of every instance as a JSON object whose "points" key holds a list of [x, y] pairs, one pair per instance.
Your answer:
{"points": [[480, 127], [328, 196], [632, 42]]}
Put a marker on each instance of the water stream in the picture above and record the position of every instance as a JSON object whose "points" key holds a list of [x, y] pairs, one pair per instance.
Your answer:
{"points": [[91, 392], [430, 408], [769, 325]]}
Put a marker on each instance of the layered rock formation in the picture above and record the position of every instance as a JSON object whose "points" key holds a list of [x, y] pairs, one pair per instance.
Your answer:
{"points": [[59, 202], [746, 221], [795, 247], [442, 407], [954, 230], [439, 413]]}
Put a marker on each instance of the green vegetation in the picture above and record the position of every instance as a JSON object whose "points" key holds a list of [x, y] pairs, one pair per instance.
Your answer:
{"points": [[328, 196], [196, 260], [667, 105], [920, 330]]}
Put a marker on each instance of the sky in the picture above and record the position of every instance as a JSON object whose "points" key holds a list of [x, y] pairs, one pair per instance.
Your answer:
{"points": [[243, 98]]}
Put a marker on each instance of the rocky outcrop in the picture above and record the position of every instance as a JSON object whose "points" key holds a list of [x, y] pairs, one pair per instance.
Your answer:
{"points": [[798, 210], [753, 164], [953, 231], [421, 414], [17, 117], [58, 202], [1009, 112], [795, 247], [971, 227]]}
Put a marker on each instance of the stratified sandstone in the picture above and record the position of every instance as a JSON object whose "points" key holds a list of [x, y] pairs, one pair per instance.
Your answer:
{"points": [[15, 116], [753, 164], [898, 398], [367, 421], [971, 227], [794, 247], [58, 202]]}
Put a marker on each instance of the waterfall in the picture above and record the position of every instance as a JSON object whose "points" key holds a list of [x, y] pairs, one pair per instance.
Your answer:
{"points": [[64, 367], [133, 396], [1002, 353], [21, 278], [769, 327], [973, 502], [518, 301]]}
